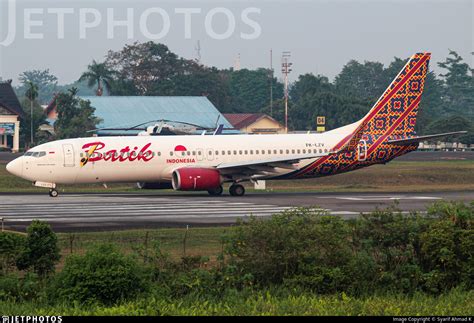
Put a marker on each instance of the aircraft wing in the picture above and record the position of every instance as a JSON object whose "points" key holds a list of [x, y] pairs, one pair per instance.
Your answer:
{"points": [[265, 165], [412, 140]]}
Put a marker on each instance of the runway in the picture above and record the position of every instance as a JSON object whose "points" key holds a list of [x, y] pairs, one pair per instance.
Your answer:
{"points": [[97, 212]]}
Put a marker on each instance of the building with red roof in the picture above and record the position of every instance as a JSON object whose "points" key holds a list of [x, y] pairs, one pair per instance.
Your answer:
{"points": [[258, 123]]}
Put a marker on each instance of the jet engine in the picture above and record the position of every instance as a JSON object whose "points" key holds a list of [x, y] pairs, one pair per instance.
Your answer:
{"points": [[196, 179]]}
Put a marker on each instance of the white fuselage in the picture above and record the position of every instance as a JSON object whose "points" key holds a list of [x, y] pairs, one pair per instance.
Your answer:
{"points": [[154, 158]]}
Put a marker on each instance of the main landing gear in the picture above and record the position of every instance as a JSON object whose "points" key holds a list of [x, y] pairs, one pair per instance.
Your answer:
{"points": [[216, 191], [237, 190], [53, 193]]}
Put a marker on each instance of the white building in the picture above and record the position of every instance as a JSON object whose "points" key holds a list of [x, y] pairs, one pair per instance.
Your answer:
{"points": [[10, 113]]}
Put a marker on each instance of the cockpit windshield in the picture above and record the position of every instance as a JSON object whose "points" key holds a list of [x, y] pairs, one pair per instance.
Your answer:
{"points": [[36, 154]]}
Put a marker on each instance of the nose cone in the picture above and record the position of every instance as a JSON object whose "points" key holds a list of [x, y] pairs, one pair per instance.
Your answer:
{"points": [[15, 167]]}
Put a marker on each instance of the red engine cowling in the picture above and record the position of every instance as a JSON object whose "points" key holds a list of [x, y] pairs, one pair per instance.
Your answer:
{"points": [[196, 179]]}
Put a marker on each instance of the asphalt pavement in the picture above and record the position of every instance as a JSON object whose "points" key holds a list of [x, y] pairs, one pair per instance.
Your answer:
{"points": [[97, 212]]}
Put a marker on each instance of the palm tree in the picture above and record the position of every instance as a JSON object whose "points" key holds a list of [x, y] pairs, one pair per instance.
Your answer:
{"points": [[31, 94], [98, 74]]}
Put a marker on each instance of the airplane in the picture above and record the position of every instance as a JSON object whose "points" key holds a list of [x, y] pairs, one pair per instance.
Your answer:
{"points": [[204, 163]]}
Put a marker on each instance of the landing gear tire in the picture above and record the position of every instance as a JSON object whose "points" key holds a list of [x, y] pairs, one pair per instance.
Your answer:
{"points": [[216, 192], [237, 190], [53, 193]]}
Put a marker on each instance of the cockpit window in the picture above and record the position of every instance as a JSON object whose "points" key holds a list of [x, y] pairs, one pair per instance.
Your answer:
{"points": [[36, 154]]}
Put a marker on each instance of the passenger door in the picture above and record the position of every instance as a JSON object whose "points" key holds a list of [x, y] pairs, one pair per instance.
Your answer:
{"points": [[68, 153]]}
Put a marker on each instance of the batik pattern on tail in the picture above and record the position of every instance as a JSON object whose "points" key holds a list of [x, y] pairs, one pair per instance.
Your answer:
{"points": [[393, 116]]}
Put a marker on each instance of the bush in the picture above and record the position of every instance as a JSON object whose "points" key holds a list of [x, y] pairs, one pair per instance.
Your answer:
{"points": [[11, 245], [448, 247], [102, 275], [16, 288], [382, 251], [392, 242], [41, 250], [299, 248]]}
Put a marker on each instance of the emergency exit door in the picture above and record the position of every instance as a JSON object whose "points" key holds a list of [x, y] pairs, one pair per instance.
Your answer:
{"points": [[68, 153], [362, 150]]}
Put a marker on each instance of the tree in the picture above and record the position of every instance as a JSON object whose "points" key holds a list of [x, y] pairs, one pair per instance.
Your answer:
{"points": [[47, 84], [41, 250], [364, 81], [31, 121], [75, 116], [309, 84], [453, 123], [98, 74], [459, 86], [31, 94], [250, 90], [145, 65]]}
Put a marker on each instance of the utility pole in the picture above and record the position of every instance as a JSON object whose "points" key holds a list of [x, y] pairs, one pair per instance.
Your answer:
{"points": [[271, 82], [198, 51], [286, 69]]}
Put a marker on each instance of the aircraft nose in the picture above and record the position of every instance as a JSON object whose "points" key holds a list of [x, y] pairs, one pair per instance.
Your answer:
{"points": [[15, 167]]}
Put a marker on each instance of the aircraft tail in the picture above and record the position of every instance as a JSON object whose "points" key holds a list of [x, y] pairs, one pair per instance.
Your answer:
{"points": [[394, 114]]}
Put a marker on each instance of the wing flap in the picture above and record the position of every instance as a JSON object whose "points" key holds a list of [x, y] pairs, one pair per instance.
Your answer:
{"points": [[281, 162]]}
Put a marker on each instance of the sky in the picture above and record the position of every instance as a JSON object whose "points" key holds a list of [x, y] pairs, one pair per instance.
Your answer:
{"points": [[322, 36]]}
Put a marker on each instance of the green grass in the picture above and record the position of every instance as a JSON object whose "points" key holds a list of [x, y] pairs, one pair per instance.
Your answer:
{"points": [[199, 241], [454, 303], [413, 176]]}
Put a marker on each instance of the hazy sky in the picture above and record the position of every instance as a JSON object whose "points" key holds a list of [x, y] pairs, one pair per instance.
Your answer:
{"points": [[321, 35]]}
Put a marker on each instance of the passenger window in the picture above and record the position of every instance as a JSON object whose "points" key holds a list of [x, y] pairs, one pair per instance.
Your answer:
{"points": [[235, 152], [199, 153], [325, 150], [251, 152], [304, 151], [229, 152], [217, 152], [275, 151], [269, 151], [263, 152], [256, 152], [299, 151], [246, 152], [188, 153], [223, 152], [194, 153], [159, 153], [240, 152], [171, 153], [281, 151], [183, 153], [292, 151], [210, 152]]}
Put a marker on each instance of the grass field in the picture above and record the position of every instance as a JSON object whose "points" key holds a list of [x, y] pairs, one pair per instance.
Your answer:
{"points": [[413, 176], [206, 242], [454, 303]]}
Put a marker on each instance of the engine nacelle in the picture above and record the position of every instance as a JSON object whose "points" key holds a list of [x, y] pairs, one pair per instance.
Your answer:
{"points": [[196, 179], [154, 186]]}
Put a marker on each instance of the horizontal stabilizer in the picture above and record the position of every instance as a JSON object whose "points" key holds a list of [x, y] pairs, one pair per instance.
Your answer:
{"points": [[412, 140]]}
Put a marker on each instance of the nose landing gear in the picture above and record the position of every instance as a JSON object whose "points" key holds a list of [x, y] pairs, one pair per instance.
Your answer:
{"points": [[53, 193]]}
